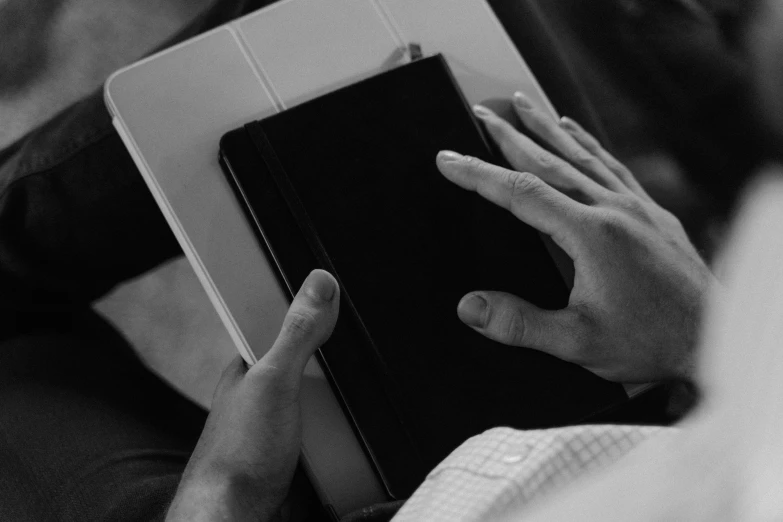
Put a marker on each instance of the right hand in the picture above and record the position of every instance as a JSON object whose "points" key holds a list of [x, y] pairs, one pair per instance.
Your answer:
{"points": [[725, 461], [635, 308]]}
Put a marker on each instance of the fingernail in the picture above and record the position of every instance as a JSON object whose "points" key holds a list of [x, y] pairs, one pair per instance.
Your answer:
{"points": [[482, 112], [319, 286], [449, 156], [471, 310], [522, 101], [568, 124]]}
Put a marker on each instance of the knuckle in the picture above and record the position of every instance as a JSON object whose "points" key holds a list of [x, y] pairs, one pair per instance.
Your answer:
{"points": [[634, 207], [300, 324], [512, 326], [521, 184], [584, 159], [611, 225], [473, 163], [545, 160], [581, 157], [590, 142]]}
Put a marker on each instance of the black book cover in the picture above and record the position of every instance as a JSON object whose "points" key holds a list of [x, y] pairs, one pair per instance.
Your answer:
{"points": [[351, 178]]}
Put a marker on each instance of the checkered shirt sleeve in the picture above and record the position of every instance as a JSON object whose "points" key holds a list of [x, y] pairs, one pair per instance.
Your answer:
{"points": [[504, 468]]}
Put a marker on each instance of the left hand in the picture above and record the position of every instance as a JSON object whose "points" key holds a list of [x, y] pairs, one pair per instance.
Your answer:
{"points": [[635, 307], [245, 460]]}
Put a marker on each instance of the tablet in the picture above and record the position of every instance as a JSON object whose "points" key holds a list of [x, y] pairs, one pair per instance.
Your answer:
{"points": [[348, 183]]}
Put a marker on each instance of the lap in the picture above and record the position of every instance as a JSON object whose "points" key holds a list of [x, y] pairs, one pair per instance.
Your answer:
{"points": [[86, 431]]}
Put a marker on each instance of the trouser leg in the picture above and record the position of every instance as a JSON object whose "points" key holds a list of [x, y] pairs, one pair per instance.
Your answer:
{"points": [[86, 432], [75, 215]]}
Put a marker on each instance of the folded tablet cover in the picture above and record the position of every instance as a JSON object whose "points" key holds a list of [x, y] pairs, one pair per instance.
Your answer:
{"points": [[351, 178]]}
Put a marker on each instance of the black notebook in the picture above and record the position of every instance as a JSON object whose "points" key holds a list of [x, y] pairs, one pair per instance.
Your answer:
{"points": [[348, 183]]}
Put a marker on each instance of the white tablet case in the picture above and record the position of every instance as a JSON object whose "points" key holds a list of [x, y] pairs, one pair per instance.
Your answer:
{"points": [[172, 108]]}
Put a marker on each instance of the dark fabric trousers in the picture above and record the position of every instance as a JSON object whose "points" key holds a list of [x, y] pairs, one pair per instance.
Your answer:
{"points": [[86, 432]]}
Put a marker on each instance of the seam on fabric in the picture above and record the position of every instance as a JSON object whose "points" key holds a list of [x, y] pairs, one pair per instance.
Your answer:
{"points": [[44, 167]]}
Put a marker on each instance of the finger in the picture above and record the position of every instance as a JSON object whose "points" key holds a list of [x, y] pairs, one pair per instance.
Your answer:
{"points": [[590, 144], [548, 129], [527, 156], [307, 325], [513, 321], [525, 195]]}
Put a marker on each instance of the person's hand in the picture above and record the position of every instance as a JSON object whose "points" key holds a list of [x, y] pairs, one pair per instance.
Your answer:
{"points": [[635, 306], [244, 462], [725, 462]]}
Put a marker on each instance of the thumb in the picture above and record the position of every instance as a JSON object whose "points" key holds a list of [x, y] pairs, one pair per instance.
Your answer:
{"points": [[511, 320], [307, 325]]}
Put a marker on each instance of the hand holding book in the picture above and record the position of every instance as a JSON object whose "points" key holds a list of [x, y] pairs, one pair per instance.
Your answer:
{"points": [[634, 310], [244, 462]]}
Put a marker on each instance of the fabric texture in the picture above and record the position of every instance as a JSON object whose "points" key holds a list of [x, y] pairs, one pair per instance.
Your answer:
{"points": [[86, 431], [504, 469]]}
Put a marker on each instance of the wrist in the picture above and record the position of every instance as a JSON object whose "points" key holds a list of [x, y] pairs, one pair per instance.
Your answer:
{"points": [[708, 293]]}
